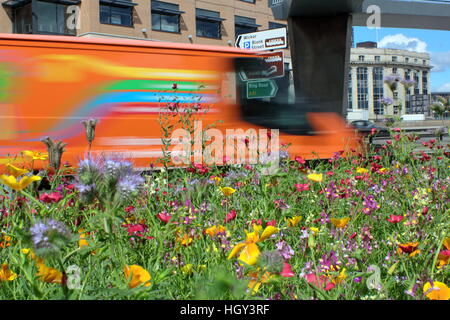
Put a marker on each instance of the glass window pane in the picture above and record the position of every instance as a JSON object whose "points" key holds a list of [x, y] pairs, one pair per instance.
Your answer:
{"points": [[46, 17], [156, 21], [209, 29], [169, 23], [105, 13], [23, 19]]}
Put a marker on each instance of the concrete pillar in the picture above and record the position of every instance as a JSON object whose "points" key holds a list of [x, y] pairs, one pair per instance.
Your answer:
{"points": [[370, 92], [354, 88], [320, 52], [420, 82]]}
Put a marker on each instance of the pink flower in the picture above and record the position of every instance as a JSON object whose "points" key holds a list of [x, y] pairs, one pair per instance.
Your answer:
{"points": [[129, 209], [321, 282], [230, 216], [164, 217], [174, 86], [300, 160], [287, 271], [51, 197], [394, 219], [302, 187], [272, 223]]}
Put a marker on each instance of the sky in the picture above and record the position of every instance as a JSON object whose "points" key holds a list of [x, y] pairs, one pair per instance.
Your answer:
{"points": [[436, 43]]}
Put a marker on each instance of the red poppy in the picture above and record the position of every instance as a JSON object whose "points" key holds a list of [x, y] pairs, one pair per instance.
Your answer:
{"points": [[51, 197], [323, 282], [287, 271], [164, 217], [395, 219], [129, 209], [272, 223], [302, 187], [230, 216], [300, 160]]}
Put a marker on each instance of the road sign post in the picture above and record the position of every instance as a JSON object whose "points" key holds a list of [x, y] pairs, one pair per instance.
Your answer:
{"points": [[263, 40], [261, 89]]}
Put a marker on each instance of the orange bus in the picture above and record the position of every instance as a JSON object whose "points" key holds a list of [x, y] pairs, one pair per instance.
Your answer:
{"points": [[49, 84]]}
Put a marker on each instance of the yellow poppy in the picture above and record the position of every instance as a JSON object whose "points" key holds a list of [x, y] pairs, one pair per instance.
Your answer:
{"points": [[47, 274], [6, 274], [11, 181], [384, 170], [292, 222], [138, 276], [341, 277], [249, 251], [439, 291], [340, 223], [314, 230], [361, 170], [227, 191], [316, 177], [14, 171], [5, 242], [82, 242], [185, 239], [214, 230], [34, 155], [217, 180], [256, 280]]}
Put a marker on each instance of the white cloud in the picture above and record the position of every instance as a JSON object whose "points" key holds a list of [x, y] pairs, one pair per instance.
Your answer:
{"points": [[440, 61], [400, 41], [444, 88]]}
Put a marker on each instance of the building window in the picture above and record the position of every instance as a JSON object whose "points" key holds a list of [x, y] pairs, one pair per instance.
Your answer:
{"points": [[249, 1], [208, 23], [350, 93], [394, 58], [395, 95], [377, 58], [407, 60], [378, 90], [425, 82], [244, 25], [424, 62], [165, 16], [363, 90], [415, 60], [117, 12], [23, 19], [361, 58], [416, 85], [275, 25], [394, 70], [41, 17]]}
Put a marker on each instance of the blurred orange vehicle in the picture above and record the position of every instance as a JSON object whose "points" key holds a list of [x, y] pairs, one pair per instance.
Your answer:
{"points": [[49, 84]]}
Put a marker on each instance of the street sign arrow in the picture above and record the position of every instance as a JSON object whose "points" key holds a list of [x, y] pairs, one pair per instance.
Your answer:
{"points": [[263, 40], [261, 89]]}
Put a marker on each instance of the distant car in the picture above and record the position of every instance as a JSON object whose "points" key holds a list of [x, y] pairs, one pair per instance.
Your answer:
{"points": [[366, 126]]}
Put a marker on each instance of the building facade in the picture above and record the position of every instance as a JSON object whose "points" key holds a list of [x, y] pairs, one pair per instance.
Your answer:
{"points": [[212, 22], [370, 66]]}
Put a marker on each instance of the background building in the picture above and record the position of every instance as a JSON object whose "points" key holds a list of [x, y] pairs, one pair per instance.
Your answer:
{"points": [[370, 65]]}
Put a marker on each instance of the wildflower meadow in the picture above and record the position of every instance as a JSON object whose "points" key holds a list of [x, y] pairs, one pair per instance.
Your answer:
{"points": [[364, 225]]}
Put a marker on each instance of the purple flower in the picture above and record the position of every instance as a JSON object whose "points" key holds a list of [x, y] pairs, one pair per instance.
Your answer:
{"points": [[129, 185], [285, 250], [45, 235]]}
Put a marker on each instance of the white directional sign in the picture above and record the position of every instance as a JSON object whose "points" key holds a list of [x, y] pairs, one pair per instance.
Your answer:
{"points": [[263, 40]]}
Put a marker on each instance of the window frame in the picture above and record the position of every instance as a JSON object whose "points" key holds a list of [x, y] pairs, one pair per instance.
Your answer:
{"points": [[155, 11], [202, 18], [111, 7]]}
